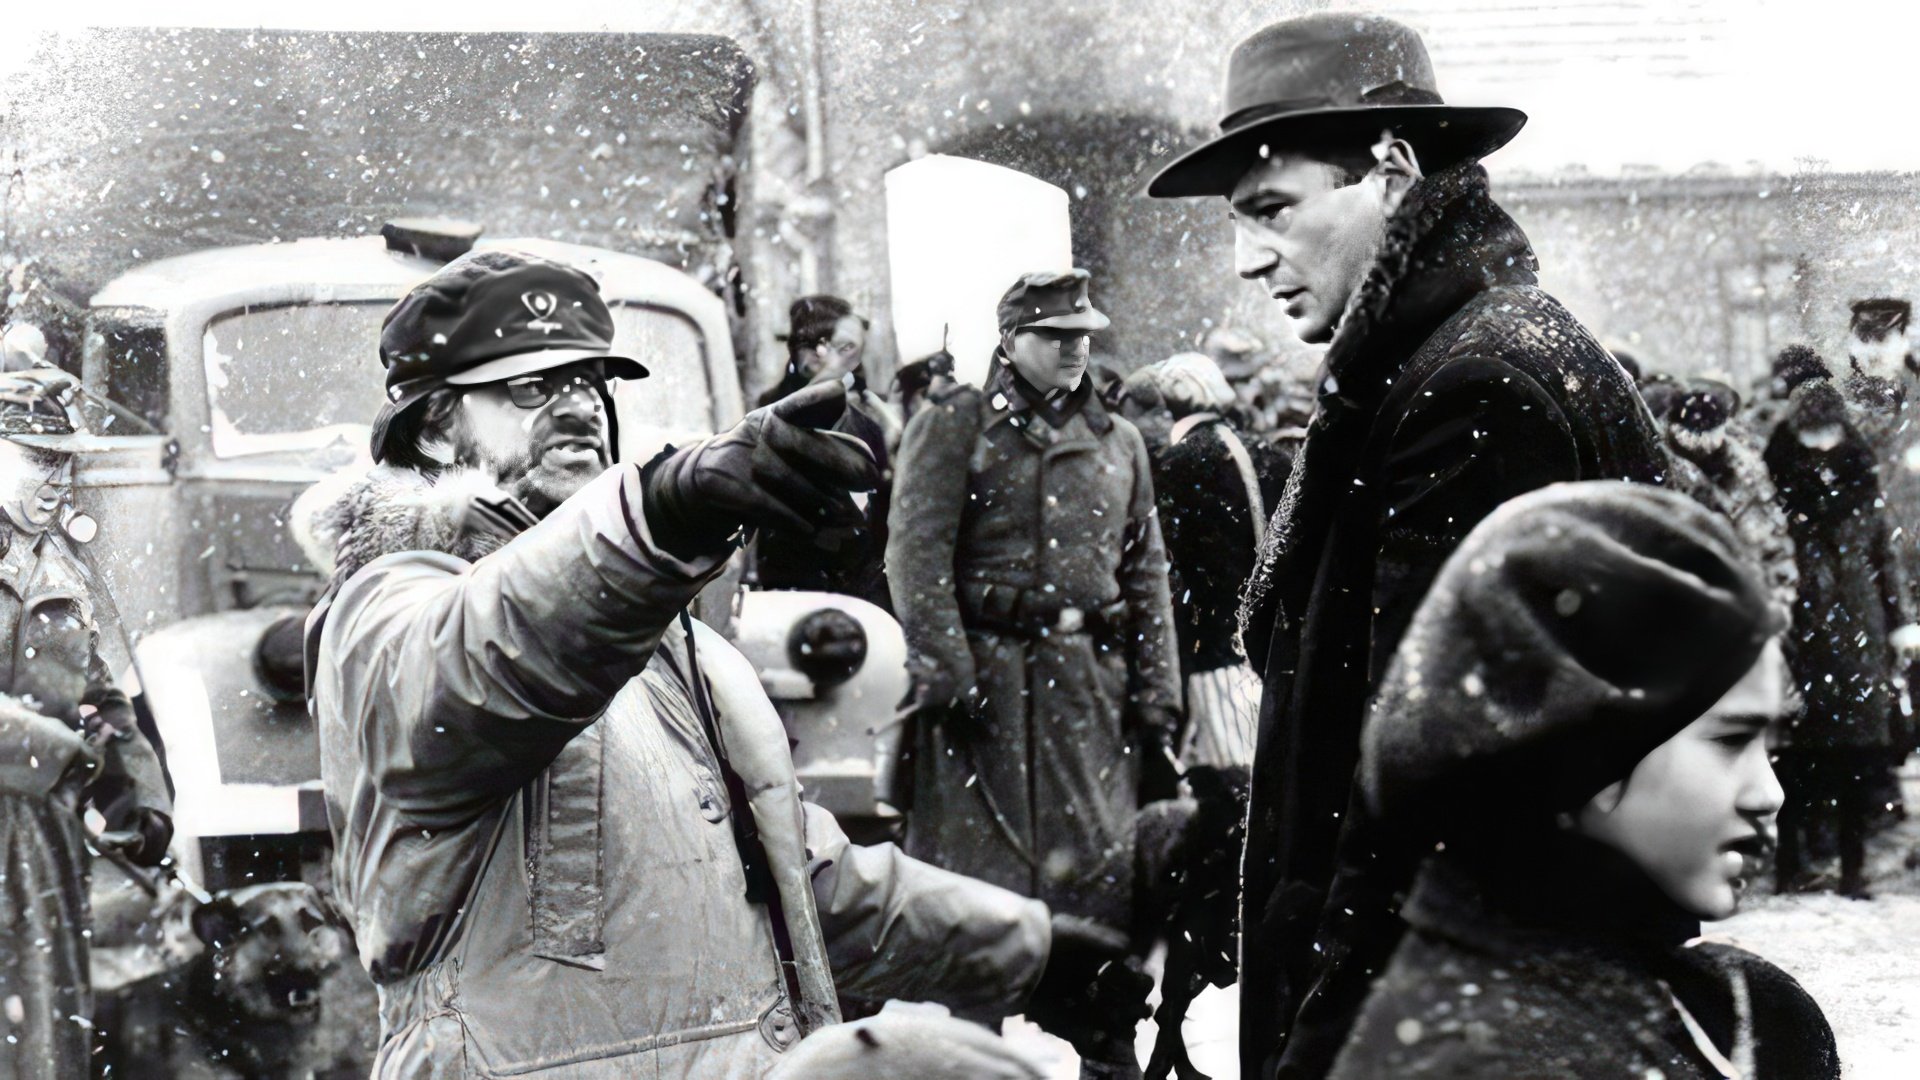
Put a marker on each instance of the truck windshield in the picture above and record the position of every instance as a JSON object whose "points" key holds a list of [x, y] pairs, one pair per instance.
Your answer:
{"points": [[303, 377], [306, 377]]}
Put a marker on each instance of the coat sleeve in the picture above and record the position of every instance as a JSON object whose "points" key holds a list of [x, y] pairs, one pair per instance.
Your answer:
{"points": [[900, 928], [929, 496], [1478, 432], [35, 750], [131, 777], [1155, 661], [462, 681]]}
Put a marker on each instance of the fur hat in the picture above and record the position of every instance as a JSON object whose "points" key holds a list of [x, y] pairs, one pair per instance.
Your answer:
{"points": [[1577, 628], [1796, 364]]}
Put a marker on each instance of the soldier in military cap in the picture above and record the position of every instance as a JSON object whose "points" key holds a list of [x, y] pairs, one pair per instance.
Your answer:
{"points": [[1028, 570], [1450, 384], [68, 740], [565, 819]]}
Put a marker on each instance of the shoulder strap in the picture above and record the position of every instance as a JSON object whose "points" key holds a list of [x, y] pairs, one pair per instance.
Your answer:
{"points": [[1185, 426], [761, 888]]}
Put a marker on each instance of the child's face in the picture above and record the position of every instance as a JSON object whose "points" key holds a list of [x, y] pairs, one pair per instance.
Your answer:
{"points": [[1697, 813]]}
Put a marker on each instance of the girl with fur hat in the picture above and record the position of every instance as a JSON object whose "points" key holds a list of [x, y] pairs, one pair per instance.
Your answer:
{"points": [[1578, 717]]}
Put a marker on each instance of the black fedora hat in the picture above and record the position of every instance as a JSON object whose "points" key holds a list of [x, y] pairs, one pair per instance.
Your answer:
{"points": [[1306, 80]]}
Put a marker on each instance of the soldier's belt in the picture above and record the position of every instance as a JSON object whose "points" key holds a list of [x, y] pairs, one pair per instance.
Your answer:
{"points": [[1034, 613]]}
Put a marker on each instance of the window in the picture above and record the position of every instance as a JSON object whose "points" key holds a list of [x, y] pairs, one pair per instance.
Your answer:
{"points": [[301, 378]]}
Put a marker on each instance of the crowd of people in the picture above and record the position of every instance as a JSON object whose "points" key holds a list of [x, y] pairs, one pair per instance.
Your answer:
{"points": [[1436, 697]]}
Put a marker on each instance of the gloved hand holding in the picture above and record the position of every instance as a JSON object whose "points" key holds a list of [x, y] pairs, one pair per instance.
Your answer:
{"points": [[1154, 730], [935, 688], [1092, 993], [143, 841], [779, 467]]}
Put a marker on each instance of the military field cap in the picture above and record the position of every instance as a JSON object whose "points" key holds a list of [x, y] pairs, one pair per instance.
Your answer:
{"points": [[1576, 629], [1874, 319], [1048, 299], [1332, 75], [489, 316]]}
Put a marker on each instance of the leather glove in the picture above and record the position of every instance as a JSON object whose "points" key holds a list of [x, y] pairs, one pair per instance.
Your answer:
{"points": [[779, 467], [935, 689], [1092, 993], [145, 842], [1153, 730]]}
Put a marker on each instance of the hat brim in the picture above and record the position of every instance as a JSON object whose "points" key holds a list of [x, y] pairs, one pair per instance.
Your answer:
{"points": [[1090, 319], [1442, 135], [509, 367]]}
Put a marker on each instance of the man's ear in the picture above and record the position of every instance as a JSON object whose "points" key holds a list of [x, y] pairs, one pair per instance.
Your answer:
{"points": [[1397, 167]]}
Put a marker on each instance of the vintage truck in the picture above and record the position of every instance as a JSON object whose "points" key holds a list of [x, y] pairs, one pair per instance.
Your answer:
{"points": [[243, 374]]}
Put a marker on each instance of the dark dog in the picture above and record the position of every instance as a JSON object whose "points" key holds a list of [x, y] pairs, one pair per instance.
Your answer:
{"points": [[269, 998]]}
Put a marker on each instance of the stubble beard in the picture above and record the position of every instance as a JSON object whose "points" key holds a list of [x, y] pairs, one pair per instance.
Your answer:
{"points": [[522, 475]]}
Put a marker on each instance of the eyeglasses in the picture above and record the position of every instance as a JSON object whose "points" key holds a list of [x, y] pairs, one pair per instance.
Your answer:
{"points": [[534, 391]]}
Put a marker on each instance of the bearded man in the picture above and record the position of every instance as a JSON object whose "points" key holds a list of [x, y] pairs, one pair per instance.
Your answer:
{"points": [[1451, 383], [565, 820]]}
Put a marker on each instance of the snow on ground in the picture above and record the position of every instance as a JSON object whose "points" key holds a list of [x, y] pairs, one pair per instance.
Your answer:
{"points": [[1860, 959]]}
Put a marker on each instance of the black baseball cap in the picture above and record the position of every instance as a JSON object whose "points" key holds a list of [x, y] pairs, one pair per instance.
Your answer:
{"points": [[488, 316]]}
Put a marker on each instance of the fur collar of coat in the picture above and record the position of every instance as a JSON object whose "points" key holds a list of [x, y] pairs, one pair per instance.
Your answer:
{"points": [[348, 520]]}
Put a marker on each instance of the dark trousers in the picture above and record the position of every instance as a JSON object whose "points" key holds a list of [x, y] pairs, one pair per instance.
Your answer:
{"points": [[1828, 787]]}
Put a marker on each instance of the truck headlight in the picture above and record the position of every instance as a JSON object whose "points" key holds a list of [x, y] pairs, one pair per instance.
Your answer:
{"points": [[280, 659], [827, 646]]}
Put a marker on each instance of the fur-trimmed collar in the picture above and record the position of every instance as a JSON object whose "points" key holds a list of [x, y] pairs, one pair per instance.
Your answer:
{"points": [[1446, 242], [348, 520]]}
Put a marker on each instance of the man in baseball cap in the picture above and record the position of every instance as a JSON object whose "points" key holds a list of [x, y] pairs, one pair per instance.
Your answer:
{"points": [[1450, 384], [527, 327], [546, 783], [1045, 323]]}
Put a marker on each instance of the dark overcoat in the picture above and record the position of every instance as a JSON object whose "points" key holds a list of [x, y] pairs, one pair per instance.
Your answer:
{"points": [[993, 506], [1452, 385], [1850, 586], [1501, 981], [1208, 515]]}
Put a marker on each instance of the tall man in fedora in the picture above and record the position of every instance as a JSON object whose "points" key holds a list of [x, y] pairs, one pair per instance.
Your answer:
{"points": [[1451, 383]]}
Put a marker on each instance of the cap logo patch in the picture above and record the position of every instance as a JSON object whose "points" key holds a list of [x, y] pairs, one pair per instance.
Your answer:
{"points": [[541, 304]]}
